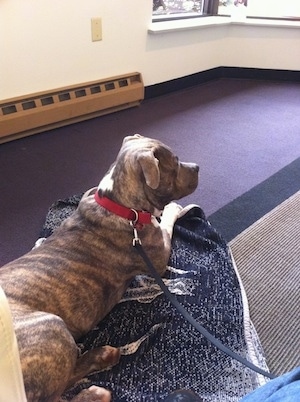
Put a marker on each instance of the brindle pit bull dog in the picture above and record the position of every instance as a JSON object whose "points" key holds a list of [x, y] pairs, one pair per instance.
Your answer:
{"points": [[62, 289]]}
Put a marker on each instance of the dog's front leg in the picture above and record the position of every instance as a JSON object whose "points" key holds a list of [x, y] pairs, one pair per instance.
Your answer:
{"points": [[169, 217]]}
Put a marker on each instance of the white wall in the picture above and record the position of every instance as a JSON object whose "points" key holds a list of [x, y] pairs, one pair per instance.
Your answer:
{"points": [[46, 44], [263, 47]]}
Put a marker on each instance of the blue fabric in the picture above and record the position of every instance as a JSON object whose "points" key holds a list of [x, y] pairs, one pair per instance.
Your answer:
{"points": [[285, 388], [160, 352]]}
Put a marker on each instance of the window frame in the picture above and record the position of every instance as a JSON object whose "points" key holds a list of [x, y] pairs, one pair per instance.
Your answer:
{"points": [[210, 8]]}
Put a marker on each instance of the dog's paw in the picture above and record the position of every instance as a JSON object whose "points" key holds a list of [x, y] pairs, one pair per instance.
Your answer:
{"points": [[169, 217], [93, 394], [186, 209], [172, 210], [106, 357], [89, 192]]}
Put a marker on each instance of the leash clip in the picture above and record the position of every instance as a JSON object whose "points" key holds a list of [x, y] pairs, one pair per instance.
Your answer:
{"points": [[136, 239], [134, 224]]}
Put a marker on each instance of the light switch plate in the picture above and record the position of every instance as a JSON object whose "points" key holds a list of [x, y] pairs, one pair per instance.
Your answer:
{"points": [[96, 29]]}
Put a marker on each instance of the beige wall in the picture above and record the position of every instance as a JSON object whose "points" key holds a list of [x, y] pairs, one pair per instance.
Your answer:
{"points": [[47, 44]]}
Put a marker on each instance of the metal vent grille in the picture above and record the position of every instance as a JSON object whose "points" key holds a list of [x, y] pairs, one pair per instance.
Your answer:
{"points": [[45, 110]]}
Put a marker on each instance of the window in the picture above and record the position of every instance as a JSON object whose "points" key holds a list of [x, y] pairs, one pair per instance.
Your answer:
{"points": [[176, 6], [262, 8], [274, 9], [174, 9]]}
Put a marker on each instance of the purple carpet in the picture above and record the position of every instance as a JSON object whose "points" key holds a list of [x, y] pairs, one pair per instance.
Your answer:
{"points": [[240, 132]]}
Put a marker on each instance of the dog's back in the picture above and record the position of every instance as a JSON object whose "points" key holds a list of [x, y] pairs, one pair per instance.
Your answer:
{"points": [[62, 289]]}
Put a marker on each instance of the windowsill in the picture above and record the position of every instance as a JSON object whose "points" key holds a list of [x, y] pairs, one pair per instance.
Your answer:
{"points": [[196, 23]]}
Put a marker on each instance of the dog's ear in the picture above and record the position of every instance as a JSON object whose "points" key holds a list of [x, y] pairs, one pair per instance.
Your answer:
{"points": [[150, 169]]}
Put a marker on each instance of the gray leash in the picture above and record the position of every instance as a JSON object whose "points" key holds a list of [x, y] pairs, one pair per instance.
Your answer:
{"points": [[138, 246]]}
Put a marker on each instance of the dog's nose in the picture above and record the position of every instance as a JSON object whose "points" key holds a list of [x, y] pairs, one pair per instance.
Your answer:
{"points": [[194, 166]]}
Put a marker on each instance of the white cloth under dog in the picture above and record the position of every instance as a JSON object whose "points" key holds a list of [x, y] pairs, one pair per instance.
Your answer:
{"points": [[11, 383]]}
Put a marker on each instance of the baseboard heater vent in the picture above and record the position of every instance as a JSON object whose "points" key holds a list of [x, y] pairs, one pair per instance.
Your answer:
{"points": [[42, 111]]}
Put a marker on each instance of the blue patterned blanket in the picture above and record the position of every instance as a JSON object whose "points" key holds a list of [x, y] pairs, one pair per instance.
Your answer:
{"points": [[160, 351]]}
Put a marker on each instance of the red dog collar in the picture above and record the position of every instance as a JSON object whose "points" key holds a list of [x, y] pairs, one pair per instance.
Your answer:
{"points": [[139, 218]]}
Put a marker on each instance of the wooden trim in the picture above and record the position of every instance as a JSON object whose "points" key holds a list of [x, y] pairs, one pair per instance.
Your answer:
{"points": [[43, 111]]}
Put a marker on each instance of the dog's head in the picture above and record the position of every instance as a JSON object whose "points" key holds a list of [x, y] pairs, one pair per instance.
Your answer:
{"points": [[147, 175]]}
